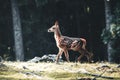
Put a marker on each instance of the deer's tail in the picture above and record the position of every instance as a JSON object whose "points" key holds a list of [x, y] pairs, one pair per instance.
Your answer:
{"points": [[84, 43]]}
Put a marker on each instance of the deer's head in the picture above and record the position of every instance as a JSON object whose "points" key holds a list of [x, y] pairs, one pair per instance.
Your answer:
{"points": [[54, 27]]}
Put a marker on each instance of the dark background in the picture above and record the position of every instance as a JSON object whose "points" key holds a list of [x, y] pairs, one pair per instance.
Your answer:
{"points": [[37, 16]]}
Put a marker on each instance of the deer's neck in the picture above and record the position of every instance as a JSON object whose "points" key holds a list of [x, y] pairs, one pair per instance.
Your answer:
{"points": [[57, 34]]}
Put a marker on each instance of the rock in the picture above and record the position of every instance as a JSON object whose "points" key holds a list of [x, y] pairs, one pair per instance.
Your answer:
{"points": [[24, 67], [35, 59], [118, 66], [1, 60], [3, 67], [45, 58]]}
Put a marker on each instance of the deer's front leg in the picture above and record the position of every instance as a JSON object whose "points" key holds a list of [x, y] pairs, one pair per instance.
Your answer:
{"points": [[66, 55], [58, 55]]}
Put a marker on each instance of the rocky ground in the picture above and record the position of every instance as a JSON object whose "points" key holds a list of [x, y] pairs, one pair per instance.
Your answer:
{"points": [[61, 71]]}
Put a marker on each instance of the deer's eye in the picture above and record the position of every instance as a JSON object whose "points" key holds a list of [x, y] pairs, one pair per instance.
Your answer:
{"points": [[53, 28]]}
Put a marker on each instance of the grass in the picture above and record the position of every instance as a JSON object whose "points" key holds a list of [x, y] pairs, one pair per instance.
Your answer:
{"points": [[65, 75], [52, 71]]}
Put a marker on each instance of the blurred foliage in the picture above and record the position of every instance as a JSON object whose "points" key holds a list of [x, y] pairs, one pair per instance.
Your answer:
{"points": [[113, 34]]}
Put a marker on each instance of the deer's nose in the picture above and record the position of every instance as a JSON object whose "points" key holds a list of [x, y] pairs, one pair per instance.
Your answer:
{"points": [[49, 30]]}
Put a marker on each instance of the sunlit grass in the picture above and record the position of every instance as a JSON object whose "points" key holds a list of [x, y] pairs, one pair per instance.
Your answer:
{"points": [[65, 75], [52, 71]]}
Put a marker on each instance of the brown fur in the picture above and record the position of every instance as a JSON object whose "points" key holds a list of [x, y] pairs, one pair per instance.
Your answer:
{"points": [[65, 43]]}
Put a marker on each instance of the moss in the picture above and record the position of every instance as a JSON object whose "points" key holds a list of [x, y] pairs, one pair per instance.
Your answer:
{"points": [[6, 71], [14, 71], [65, 75], [9, 78], [3, 67]]}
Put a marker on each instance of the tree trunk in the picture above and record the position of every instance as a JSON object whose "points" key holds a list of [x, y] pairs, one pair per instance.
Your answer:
{"points": [[17, 31], [108, 17]]}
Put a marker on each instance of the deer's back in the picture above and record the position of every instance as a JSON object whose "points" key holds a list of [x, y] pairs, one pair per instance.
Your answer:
{"points": [[70, 43]]}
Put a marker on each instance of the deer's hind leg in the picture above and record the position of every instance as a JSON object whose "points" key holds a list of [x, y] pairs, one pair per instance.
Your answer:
{"points": [[58, 55], [89, 56], [81, 55]]}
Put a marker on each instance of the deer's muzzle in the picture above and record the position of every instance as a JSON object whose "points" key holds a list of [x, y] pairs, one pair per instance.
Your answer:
{"points": [[49, 30]]}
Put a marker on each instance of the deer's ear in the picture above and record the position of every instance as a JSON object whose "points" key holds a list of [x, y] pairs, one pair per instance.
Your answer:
{"points": [[56, 22]]}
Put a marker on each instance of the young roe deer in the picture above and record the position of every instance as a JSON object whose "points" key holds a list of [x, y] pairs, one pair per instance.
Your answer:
{"points": [[65, 43]]}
